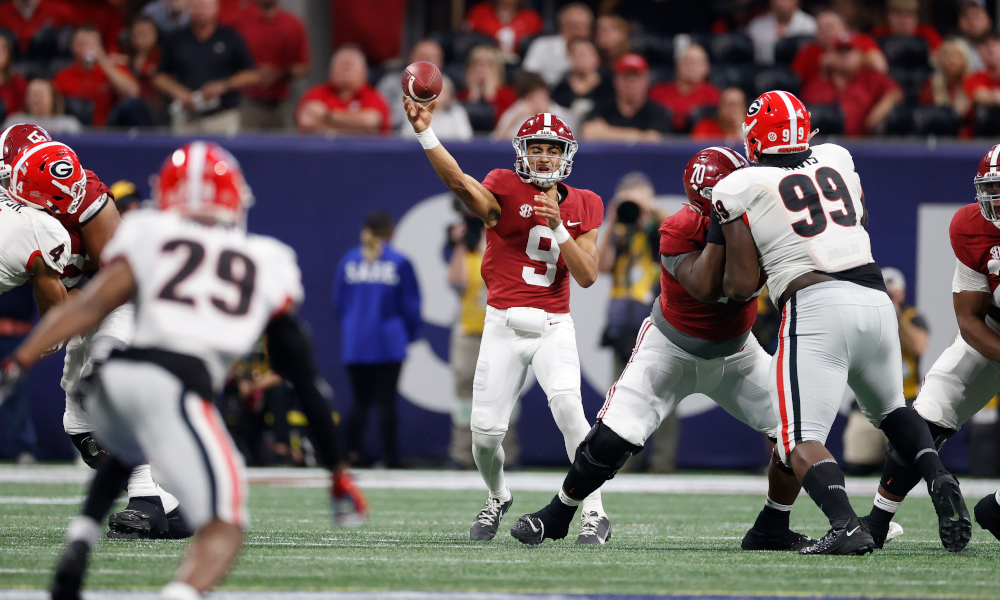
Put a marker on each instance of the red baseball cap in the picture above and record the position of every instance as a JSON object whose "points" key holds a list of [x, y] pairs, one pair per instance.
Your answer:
{"points": [[631, 62]]}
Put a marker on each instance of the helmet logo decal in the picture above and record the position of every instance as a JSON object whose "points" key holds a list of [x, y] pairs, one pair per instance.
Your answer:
{"points": [[61, 169], [754, 108], [526, 210], [36, 138], [772, 136]]}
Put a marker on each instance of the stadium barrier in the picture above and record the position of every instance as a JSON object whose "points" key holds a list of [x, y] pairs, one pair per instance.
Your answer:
{"points": [[314, 193]]}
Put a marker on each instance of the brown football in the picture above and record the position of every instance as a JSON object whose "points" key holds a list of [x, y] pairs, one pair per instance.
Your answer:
{"points": [[422, 81]]}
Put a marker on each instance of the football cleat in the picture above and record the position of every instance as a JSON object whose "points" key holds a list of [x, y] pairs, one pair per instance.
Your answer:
{"points": [[988, 515], [543, 525], [528, 530], [895, 530], [847, 536], [757, 539], [350, 505], [177, 526], [595, 529], [68, 578], [954, 523], [485, 527], [143, 518]]}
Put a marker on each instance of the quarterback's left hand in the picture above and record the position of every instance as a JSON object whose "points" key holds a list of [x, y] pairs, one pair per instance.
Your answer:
{"points": [[11, 372], [548, 210]]}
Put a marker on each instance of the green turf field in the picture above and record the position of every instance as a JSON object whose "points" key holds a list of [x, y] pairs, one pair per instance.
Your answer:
{"points": [[418, 540]]}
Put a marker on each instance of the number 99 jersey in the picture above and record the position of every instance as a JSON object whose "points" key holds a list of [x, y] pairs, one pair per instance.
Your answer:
{"points": [[522, 266], [804, 217], [205, 291]]}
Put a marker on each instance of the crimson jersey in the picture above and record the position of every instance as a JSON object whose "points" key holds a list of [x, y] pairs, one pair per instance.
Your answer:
{"points": [[522, 265], [976, 243], [684, 232], [94, 201]]}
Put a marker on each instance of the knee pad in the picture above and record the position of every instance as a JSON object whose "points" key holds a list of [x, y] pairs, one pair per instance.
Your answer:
{"points": [[487, 421], [89, 449], [602, 453]]}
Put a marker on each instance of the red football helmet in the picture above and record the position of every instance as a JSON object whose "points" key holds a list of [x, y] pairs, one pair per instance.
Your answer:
{"points": [[706, 169], [544, 127], [777, 123], [49, 175], [13, 140], [202, 179], [987, 184]]}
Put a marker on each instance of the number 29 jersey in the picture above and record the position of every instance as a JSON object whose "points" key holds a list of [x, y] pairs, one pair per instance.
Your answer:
{"points": [[204, 291], [803, 218], [522, 266]]}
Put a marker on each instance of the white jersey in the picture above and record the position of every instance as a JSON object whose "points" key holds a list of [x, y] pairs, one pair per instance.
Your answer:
{"points": [[25, 233], [204, 291], [804, 218]]}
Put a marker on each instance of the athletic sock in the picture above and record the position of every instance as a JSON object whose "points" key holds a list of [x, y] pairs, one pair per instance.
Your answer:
{"points": [[879, 518], [559, 510], [773, 517], [592, 503], [109, 481], [178, 590], [489, 455], [911, 439], [142, 485], [83, 529], [567, 500], [824, 482]]}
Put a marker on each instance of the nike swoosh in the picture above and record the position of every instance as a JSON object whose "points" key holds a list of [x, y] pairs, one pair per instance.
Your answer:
{"points": [[532, 525], [853, 531], [954, 513], [572, 224]]}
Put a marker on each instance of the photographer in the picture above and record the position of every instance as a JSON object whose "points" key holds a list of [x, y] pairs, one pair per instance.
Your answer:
{"points": [[630, 253]]}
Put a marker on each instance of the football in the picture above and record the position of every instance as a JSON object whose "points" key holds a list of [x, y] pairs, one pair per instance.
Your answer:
{"points": [[422, 81]]}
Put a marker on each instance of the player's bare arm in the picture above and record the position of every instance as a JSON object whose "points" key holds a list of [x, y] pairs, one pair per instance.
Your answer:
{"points": [[970, 310], [113, 286], [580, 254], [479, 200], [701, 273], [742, 275], [98, 231], [46, 284]]}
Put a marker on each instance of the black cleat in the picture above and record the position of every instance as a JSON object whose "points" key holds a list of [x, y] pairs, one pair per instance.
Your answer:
{"points": [[68, 578], [143, 518], [177, 527], [528, 530], [847, 536], [987, 513], [485, 527], [882, 538], [595, 529], [543, 525], [954, 523], [779, 541]]}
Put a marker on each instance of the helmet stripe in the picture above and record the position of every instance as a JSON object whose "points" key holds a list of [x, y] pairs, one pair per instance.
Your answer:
{"points": [[728, 154], [994, 153], [547, 120], [28, 154], [195, 172], [794, 120]]}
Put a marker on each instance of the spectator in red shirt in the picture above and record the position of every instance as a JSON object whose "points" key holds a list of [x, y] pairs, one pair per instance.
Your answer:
{"points": [[25, 17], [831, 30], [727, 125], [279, 44], [12, 85], [484, 85], [984, 88], [345, 103], [93, 76], [143, 60], [945, 86], [865, 95], [903, 18], [507, 21], [690, 90], [611, 36]]}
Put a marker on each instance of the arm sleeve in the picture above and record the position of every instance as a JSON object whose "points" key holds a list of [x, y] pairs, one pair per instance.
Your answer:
{"points": [[410, 299], [670, 263], [495, 183], [969, 280]]}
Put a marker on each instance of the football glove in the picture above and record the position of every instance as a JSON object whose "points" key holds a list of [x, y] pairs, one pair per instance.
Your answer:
{"points": [[11, 372], [350, 506]]}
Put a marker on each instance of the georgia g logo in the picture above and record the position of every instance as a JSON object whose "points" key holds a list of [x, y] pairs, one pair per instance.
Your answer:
{"points": [[61, 169], [754, 108]]}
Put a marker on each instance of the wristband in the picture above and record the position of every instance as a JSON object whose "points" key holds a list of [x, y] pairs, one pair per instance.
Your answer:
{"points": [[427, 139], [561, 234], [715, 234]]}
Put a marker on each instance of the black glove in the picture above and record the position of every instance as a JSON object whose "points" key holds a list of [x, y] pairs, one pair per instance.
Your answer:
{"points": [[715, 235], [11, 372]]}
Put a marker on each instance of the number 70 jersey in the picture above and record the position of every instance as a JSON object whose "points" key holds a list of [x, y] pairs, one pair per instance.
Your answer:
{"points": [[205, 291], [803, 218]]}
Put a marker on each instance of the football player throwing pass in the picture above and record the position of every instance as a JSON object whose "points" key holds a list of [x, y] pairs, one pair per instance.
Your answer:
{"points": [[803, 210], [967, 375], [539, 231], [694, 341]]}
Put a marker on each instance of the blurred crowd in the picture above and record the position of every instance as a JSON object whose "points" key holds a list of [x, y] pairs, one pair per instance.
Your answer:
{"points": [[618, 70]]}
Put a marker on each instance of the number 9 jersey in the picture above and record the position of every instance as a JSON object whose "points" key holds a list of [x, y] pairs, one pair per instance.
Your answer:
{"points": [[804, 217], [522, 266], [206, 291]]}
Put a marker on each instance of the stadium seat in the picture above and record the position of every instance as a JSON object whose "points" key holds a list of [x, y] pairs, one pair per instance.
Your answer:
{"points": [[936, 120], [987, 121], [657, 49], [32, 69], [900, 120], [911, 80], [481, 116], [776, 78], [456, 71], [828, 119], [702, 112], [904, 51], [729, 75], [457, 45], [51, 43], [58, 64], [522, 48], [786, 48], [661, 74], [80, 108], [731, 48]]}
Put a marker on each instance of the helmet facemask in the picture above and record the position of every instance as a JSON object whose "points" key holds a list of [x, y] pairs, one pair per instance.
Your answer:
{"points": [[988, 196], [526, 165]]}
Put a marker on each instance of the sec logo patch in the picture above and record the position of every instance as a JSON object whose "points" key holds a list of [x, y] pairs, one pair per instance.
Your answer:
{"points": [[526, 210]]}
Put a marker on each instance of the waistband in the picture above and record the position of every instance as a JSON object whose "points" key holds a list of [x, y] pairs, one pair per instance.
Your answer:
{"points": [[702, 348], [190, 370], [829, 293], [502, 313]]}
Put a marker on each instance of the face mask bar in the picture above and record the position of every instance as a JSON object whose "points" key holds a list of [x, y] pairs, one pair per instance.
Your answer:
{"points": [[988, 195], [524, 163]]}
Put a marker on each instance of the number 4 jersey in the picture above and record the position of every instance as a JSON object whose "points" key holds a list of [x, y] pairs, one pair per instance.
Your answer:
{"points": [[804, 217], [25, 233], [522, 265], [205, 291]]}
